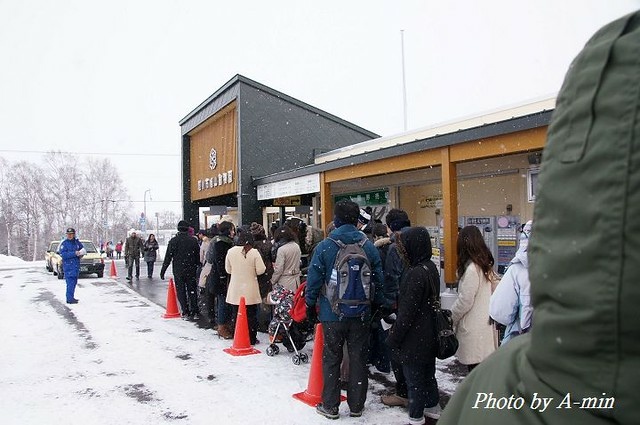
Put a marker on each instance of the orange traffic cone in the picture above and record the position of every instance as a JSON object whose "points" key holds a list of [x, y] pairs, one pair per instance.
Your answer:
{"points": [[241, 343], [172, 302], [313, 394], [114, 272]]}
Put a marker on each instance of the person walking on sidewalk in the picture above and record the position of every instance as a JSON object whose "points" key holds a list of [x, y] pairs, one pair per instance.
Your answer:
{"points": [[119, 250], [183, 250], [338, 330], [71, 250], [150, 249], [132, 253]]}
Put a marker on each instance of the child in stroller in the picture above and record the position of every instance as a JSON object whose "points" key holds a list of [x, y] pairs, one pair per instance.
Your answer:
{"points": [[289, 324]]}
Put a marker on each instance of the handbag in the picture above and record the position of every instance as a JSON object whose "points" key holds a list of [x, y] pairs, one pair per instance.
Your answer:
{"points": [[447, 343]]}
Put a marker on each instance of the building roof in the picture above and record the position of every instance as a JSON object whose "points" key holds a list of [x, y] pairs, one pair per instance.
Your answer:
{"points": [[229, 91], [518, 118]]}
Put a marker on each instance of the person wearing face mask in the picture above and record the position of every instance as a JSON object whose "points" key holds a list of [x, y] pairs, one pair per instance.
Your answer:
{"points": [[510, 303]]}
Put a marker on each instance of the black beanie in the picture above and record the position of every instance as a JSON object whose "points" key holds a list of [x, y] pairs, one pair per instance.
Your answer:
{"points": [[346, 212], [183, 226]]}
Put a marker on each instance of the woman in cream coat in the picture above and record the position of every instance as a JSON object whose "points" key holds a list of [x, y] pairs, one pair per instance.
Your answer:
{"points": [[244, 264], [286, 270], [470, 311]]}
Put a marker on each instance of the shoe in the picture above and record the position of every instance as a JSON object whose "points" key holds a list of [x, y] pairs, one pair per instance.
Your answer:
{"points": [[196, 317], [73, 301], [330, 413], [356, 414], [394, 400], [255, 342], [433, 412], [224, 332]]}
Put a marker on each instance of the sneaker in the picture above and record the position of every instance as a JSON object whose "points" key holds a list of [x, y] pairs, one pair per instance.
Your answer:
{"points": [[356, 414], [394, 400], [433, 412], [330, 413]]}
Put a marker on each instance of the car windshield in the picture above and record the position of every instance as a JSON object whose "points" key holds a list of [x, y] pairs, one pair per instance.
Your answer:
{"points": [[54, 246], [89, 247]]}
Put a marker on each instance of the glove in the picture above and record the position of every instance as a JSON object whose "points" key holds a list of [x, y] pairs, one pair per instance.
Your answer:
{"points": [[312, 314]]}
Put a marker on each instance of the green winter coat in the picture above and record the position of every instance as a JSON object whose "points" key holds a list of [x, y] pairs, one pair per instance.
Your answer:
{"points": [[584, 257]]}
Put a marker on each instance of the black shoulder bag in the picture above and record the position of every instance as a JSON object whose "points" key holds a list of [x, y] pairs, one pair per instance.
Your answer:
{"points": [[446, 338]]}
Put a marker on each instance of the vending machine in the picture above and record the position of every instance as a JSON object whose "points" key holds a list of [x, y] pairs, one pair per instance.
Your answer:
{"points": [[500, 233]]}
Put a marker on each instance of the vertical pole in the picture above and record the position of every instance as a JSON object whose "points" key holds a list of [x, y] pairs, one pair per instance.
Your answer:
{"points": [[450, 215], [404, 82]]}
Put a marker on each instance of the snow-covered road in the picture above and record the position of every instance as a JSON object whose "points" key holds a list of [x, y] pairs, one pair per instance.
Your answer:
{"points": [[113, 359]]}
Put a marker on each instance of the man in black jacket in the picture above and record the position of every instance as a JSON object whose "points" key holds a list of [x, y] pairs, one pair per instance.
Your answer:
{"points": [[184, 251], [218, 281]]}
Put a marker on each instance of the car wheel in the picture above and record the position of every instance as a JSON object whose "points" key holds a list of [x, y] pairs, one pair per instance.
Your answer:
{"points": [[60, 273]]}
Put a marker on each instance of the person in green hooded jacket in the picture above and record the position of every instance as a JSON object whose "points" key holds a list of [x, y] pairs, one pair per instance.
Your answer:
{"points": [[580, 362]]}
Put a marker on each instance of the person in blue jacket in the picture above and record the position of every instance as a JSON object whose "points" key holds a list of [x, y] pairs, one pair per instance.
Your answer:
{"points": [[71, 250], [354, 331]]}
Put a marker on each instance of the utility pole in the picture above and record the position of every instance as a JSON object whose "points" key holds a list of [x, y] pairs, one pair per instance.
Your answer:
{"points": [[144, 223], [404, 82]]}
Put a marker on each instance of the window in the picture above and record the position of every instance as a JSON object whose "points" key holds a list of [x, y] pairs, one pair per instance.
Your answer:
{"points": [[532, 183]]}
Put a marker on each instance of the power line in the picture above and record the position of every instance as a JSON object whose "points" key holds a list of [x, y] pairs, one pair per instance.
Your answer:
{"points": [[90, 153]]}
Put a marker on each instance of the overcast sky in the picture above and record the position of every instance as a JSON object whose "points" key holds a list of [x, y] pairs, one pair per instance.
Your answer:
{"points": [[114, 78]]}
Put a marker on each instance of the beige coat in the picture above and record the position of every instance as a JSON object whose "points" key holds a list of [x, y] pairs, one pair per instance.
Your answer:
{"points": [[470, 314], [286, 270], [244, 269]]}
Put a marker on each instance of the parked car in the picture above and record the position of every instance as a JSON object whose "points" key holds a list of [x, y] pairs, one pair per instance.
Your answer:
{"points": [[92, 262], [51, 251]]}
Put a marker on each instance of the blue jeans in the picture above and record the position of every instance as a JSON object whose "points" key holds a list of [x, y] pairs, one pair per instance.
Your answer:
{"points": [[223, 309], [71, 287], [422, 387]]}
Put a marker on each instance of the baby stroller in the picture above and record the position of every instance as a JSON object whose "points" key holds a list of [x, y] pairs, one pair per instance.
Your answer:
{"points": [[289, 324]]}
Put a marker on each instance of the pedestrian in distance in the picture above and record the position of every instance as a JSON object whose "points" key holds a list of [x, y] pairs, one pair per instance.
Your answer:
{"points": [[340, 329], [184, 252], [244, 264], [510, 303], [581, 356], [119, 250], [470, 311], [412, 338], [150, 249], [71, 250], [132, 253]]}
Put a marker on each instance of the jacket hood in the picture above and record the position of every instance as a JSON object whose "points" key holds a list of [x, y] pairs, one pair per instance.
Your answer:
{"points": [[347, 233], [522, 255], [382, 242], [416, 244]]}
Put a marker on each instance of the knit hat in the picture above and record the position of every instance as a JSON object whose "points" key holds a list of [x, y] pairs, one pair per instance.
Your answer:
{"points": [[346, 212], [364, 217], [257, 230], [183, 226]]}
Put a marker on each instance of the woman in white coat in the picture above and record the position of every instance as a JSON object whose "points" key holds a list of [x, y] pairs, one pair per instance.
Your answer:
{"points": [[286, 270], [244, 264], [470, 311], [511, 301]]}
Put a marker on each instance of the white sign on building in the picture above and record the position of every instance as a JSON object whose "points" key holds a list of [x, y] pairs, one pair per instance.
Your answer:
{"points": [[296, 186]]}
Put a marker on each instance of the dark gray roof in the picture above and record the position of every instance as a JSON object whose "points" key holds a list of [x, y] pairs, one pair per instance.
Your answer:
{"points": [[230, 91]]}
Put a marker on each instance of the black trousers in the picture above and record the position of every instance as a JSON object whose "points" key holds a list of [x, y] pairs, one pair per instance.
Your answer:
{"points": [[186, 288], [355, 333], [401, 382], [422, 386], [252, 318], [130, 266]]}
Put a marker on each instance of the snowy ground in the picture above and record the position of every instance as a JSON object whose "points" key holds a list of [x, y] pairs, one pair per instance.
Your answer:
{"points": [[112, 359]]}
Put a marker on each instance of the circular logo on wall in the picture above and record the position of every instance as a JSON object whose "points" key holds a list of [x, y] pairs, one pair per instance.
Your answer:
{"points": [[213, 159]]}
